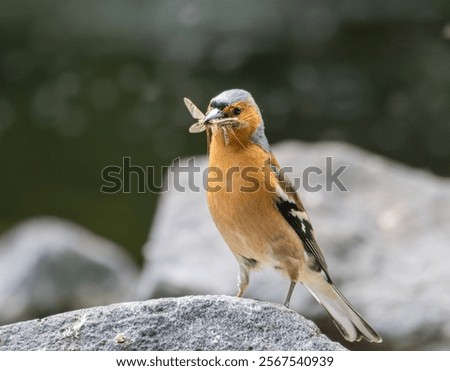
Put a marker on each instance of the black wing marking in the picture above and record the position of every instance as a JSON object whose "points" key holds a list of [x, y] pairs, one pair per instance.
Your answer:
{"points": [[289, 205]]}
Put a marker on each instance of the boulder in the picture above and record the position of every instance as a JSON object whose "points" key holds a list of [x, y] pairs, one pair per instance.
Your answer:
{"points": [[186, 323], [385, 238], [49, 265]]}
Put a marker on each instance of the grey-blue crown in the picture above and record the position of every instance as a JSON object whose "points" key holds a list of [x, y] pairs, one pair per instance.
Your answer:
{"points": [[231, 96], [228, 97]]}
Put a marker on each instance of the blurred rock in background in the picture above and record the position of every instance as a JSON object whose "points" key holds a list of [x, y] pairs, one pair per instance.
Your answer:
{"points": [[49, 265], [386, 242]]}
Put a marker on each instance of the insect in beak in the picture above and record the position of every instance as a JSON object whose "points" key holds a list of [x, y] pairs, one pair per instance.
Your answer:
{"points": [[199, 126], [215, 117]]}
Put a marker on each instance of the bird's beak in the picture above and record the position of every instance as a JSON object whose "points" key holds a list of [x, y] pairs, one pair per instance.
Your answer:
{"points": [[214, 114]]}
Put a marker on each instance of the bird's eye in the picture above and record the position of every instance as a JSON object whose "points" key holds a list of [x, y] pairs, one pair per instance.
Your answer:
{"points": [[237, 111]]}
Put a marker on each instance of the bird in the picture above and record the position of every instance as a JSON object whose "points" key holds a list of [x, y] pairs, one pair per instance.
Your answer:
{"points": [[259, 214]]}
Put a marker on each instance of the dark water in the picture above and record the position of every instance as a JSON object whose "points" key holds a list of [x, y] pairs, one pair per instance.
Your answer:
{"points": [[84, 84]]}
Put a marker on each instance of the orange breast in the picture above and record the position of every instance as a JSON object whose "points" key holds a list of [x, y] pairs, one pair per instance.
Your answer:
{"points": [[241, 193]]}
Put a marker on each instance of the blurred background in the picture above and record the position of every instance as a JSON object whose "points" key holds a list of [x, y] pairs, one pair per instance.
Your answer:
{"points": [[85, 83]]}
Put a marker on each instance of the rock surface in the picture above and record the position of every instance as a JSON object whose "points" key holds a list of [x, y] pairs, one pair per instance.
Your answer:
{"points": [[48, 265], [386, 242], [187, 323]]}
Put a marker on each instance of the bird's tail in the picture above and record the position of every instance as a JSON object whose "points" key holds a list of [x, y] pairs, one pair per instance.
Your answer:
{"points": [[349, 322]]}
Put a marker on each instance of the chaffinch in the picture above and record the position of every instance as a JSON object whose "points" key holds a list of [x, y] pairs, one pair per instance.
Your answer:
{"points": [[259, 214]]}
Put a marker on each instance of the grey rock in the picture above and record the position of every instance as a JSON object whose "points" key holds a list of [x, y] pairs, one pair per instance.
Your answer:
{"points": [[386, 241], [48, 265], [188, 323]]}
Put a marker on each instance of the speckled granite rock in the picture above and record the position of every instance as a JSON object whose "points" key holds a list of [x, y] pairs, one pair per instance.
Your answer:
{"points": [[186, 323]]}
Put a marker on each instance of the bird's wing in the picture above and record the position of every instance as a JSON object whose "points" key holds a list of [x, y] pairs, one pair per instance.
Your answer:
{"points": [[290, 206]]}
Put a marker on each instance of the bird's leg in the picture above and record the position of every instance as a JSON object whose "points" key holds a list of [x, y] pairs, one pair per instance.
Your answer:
{"points": [[289, 294], [243, 279]]}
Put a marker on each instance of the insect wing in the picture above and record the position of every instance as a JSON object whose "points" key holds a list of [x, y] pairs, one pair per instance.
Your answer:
{"points": [[198, 127], [193, 110]]}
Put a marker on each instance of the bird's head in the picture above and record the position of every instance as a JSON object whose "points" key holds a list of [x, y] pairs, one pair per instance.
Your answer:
{"points": [[245, 124]]}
